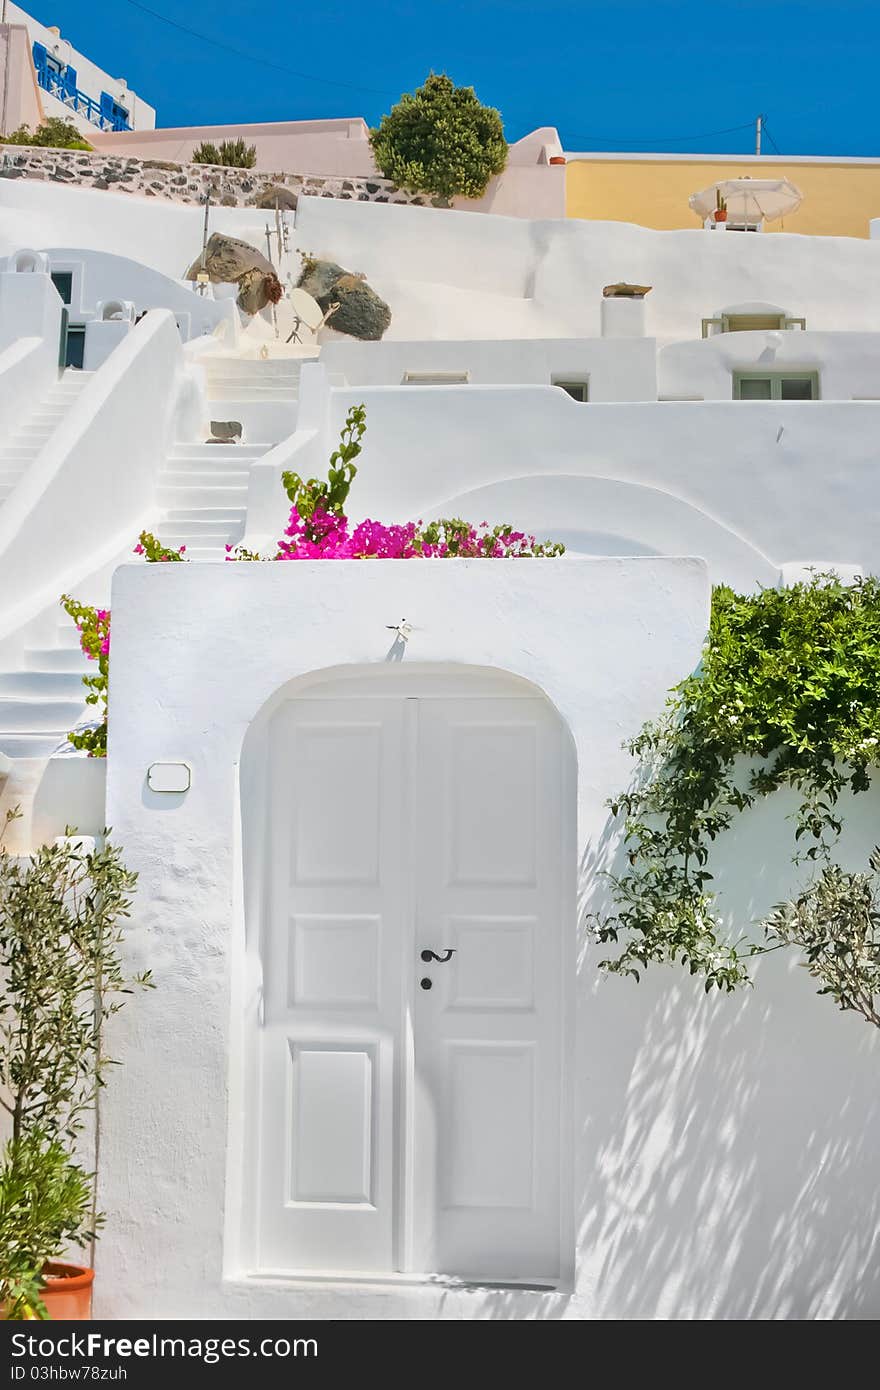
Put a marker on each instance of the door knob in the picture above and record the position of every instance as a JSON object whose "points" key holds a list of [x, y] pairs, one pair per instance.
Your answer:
{"points": [[449, 952]]}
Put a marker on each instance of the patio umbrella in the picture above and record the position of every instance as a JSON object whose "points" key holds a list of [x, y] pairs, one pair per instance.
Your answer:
{"points": [[749, 200]]}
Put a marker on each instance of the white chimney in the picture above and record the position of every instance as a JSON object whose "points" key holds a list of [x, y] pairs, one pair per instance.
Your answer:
{"points": [[623, 310]]}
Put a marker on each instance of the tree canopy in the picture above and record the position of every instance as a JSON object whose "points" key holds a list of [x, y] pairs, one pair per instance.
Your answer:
{"points": [[440, 140]]}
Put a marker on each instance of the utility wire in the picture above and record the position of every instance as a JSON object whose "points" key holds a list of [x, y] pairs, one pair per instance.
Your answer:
{"points": [[769, 136], [251, 58], [662, 139]]}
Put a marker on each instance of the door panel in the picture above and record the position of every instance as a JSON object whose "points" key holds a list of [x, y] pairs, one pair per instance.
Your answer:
{"points": [[488, 1032], [332, 987]]}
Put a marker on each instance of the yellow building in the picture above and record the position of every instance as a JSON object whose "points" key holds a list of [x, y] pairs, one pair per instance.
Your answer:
{"points": [[840, 195]]}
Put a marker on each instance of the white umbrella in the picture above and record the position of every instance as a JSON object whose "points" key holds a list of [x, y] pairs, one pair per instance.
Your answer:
{"points": [[749, 200]]}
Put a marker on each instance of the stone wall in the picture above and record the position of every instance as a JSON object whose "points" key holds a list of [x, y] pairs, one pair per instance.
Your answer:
{"points": [[188, 183]]}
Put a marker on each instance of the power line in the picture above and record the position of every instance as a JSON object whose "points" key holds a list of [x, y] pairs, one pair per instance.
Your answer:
{"points": [[770, 137], [251, 58], [662, 139]]}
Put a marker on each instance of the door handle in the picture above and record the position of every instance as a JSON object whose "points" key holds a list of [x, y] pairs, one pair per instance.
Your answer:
{"points": [[449, 952]]}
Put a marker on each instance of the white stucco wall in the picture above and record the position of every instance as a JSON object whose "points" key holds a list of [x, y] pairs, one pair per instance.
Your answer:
{"points": [[99, 276], [107, 450], [724, 1146], [747, 485], [30, 337], [453, 277], [619, 369], [847, 364]]}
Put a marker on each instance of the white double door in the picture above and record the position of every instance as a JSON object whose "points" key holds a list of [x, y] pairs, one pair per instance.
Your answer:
{"points": [[410, 1108]]}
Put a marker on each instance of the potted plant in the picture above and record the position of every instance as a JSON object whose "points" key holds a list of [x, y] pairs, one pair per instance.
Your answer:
{"points": [[61, 978], [720, 207]]}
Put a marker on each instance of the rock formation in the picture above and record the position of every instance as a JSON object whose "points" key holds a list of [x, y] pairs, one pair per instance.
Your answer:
{"points": [[230, 261], [361, 313]]}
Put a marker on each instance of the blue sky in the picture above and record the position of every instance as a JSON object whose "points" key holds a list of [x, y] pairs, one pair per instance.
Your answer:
{"points": [[615, 76]]}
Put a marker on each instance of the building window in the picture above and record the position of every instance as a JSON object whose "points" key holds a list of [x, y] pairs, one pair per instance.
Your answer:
{"points": [[578, 390], [63, 282], [75, 345], [436, 378], [776, 386], [751, 323]]}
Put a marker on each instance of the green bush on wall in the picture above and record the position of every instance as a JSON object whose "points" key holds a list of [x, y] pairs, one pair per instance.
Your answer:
{"points": [[788, 686]]}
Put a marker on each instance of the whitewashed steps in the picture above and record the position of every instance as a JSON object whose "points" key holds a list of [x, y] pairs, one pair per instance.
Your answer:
{"points": [[67, 658], [26, 715], [203, 495], [23, 445], [252, 379], [41, 685], [202, 498]]}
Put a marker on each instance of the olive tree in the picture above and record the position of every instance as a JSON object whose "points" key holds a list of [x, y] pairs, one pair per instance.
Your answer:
{"points": [[440, 140]]}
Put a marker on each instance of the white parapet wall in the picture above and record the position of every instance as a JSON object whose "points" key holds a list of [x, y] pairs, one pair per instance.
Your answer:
{"points": [[720, 1153], [89, 490]]}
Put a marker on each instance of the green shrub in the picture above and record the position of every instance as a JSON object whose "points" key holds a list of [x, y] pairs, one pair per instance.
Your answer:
{"points": [[234, 154], [440, 140], [787, 695], [54, 133], [45, 1206], [61, 979]]}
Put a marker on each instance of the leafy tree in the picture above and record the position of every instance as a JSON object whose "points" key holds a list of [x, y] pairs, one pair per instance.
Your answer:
{"points": [[441, 140], [835, 923], [61, 979], [54, 133], [234, 154]]}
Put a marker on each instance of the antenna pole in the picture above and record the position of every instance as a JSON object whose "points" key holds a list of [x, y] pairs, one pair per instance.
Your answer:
{"points": [[758, 124]]}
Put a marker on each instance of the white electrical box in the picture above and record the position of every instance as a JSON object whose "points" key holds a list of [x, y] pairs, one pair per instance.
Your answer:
{"points": [[169, 777]]}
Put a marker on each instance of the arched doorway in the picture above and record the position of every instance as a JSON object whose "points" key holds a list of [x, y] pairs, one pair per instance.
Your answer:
{"points": [[410, 900]]}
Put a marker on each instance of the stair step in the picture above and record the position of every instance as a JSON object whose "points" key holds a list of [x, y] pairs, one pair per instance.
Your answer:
{"points": [[41, 685], [32, 745], [40, 716], [235, 392], [217, 453], [203, 478], [250, 366], [68, 635], [195, 500], [59, 659], [196, 534], [216, 516]]}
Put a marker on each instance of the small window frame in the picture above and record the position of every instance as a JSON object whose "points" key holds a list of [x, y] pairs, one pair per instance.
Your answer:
{"points": [[776, 379], [447, 378]]}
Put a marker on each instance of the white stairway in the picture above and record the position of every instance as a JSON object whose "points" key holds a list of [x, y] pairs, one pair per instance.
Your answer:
{"points": [[252, 378], [202, 504], [25, 443], [40, 704], [203, 497]]}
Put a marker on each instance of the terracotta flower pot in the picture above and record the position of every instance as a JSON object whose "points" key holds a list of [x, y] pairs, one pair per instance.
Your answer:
{"points": [[721, 214], [68, 1292], [557, 159]]}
